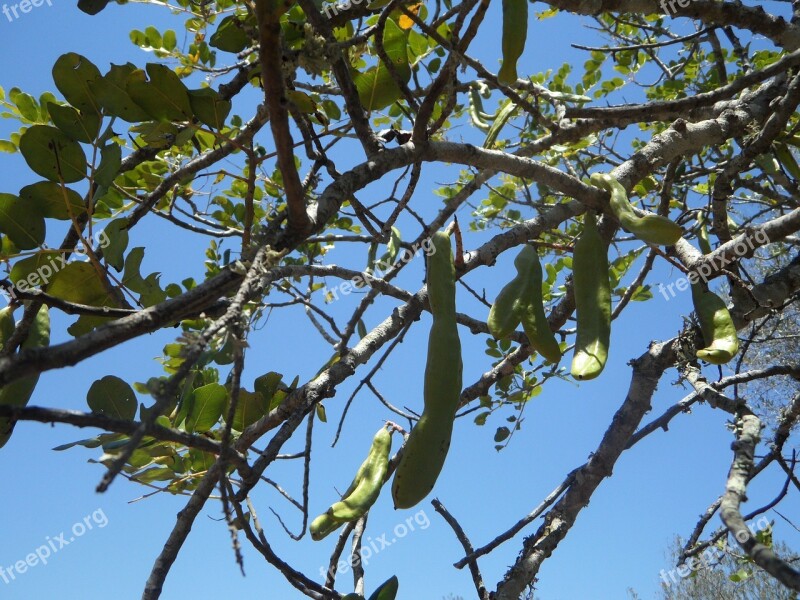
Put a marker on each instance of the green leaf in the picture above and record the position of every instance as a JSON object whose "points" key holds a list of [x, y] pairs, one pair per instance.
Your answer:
{"points": [[361, 329], [740, 575], [86, 323], [229, 36], [81, 127], [42, 263], [117, 234], [21, 222], [321, 413], [170, 40], [7, 146], [224, 356], [112, 397], [501, 434], [154, 474], [163, 96], [376, 87], [480, 420], [332, 111], [53, 201], [642, 294], [90, 443], [19, 392], [111, 91], [110, 162], [267, 384], [25, 103], [52, 154], [73, 75], [92, 7], [79, 282], [209, 107], [387, 591], [157, 134], [249, 409], [205, 407], [201, 461], [149, 288], [153, 37]]}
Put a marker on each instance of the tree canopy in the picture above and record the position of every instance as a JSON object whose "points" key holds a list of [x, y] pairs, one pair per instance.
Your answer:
{"points": [[367, 171]]}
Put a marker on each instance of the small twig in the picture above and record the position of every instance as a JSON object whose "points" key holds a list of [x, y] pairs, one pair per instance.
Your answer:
{"points": [[330, 578], [355, 558], [477, 578], [226, 493], [519, 525]]}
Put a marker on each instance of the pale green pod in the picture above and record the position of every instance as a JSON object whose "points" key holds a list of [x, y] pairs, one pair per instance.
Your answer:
{"points": [[653, 229], [719, 331]]}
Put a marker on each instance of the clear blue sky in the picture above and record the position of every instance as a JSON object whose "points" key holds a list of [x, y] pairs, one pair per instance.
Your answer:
{"points": [[619, 541]]}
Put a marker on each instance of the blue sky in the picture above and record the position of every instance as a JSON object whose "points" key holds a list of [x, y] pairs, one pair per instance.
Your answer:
{"points": [[620, 541]]}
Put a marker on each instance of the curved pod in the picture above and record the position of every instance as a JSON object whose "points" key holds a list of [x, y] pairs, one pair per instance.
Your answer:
{"points": [[520, 301], [362, 492], [719, 332], [355, 504], [653, 229]]}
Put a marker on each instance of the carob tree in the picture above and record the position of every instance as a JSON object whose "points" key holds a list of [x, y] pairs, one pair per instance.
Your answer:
{"points": [[336, 103]]}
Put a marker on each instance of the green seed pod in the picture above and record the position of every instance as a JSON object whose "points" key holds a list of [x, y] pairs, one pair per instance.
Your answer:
{"points": [[506, 312], [787, 159], [503, 116], [702, 233], [521, 301], [534, 321], [19, 392], [427, 445], [592, 302], [515, 32], [322, 526], [365, 466], [363, 490], [479, 118], [7, 325], [719, 332], [653, 229], [355, 504], [370, 268]]}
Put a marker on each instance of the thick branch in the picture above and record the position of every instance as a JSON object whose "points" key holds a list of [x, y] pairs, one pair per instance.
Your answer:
{"points": [[748, 435], [268, 13]]}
